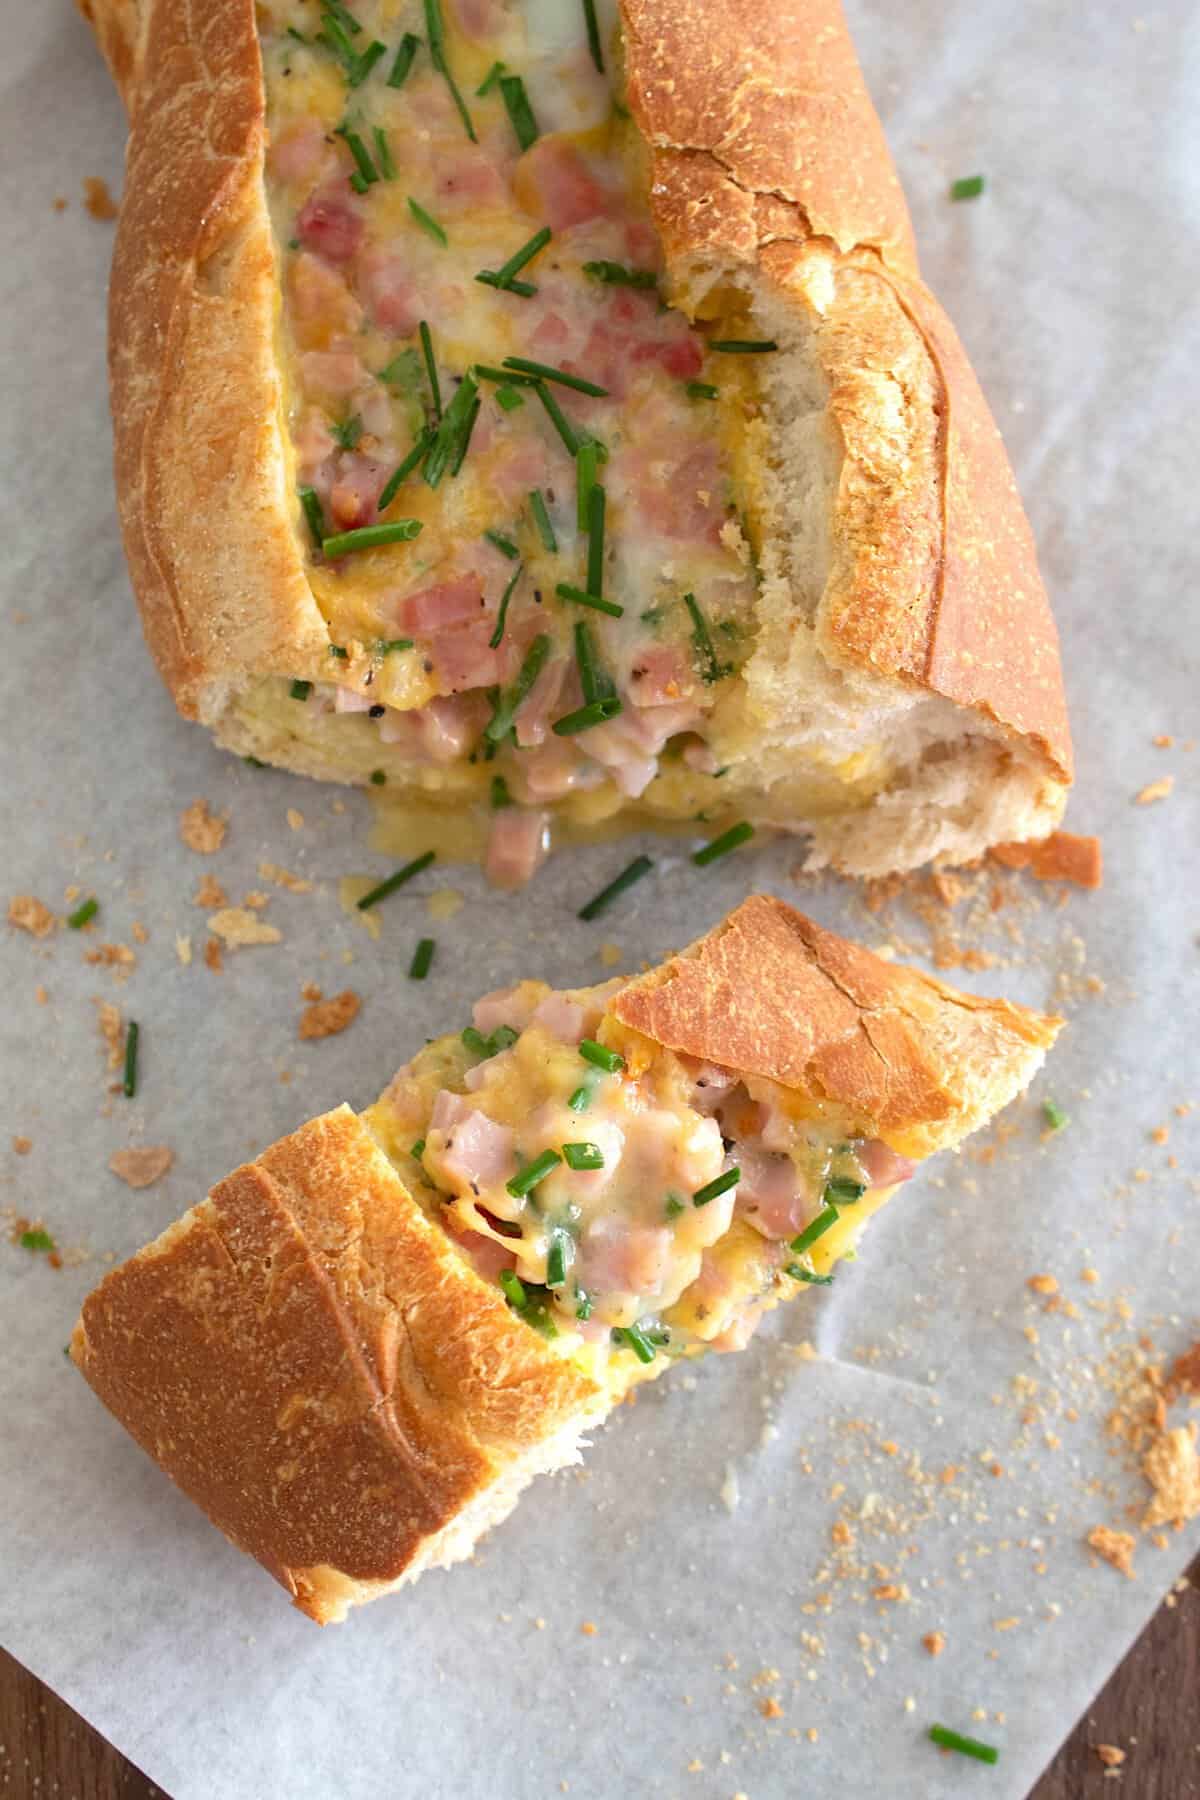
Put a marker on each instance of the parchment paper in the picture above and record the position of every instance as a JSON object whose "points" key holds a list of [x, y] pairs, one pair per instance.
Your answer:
{"points": [[1073, 282]]}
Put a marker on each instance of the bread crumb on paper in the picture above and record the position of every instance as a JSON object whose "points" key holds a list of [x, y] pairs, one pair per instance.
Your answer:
{"points": [[202, 830], [1042, 1284], [210, 894], [141, 1168], [1110, 1755], [1156, 790], [213, 959], [1116, 1547], [1172, 1468], [108, 1017], [295, 884], [327, 1018], [22, 1146], [183, 947], [238, 929], [27, 913], [97, 199], [1063, 856], [295, 819], [934, 1642], [111, 956]]}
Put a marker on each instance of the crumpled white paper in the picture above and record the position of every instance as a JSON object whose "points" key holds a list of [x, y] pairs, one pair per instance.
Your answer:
{"points": [[1073, 281]]}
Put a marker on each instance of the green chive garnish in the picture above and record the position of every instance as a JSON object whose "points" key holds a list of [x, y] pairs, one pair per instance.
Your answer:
{"points": [[583, 1156], [595, 685], [721, 846], [558, 418], [378, 778], [300, 690], [82, 914], [966, 1746], [489, 81], [506, 377], [520, 113], [310, 501], [1054, 1115], [435, 32], [129, 1079], [559, 1257], [418, 1150], [584, 1308], [700, 390], [490, 278], [418, 968], [254, 762], [453, 434], [743, 346], [36, 1240], [497, 636], [611, 1061], [593, 33], [714, 669], [641, 865], [615, 274], [370, 537], [403, 470], [967, 187], [500, 1039], [500, 795], [505, 545], [636, 1340], [514, 1289], [565, 591], [673, 1206], [825, 1220], [410, 43], [383, 154], [339, 650], [597, 502], [547, 372], [596, 712], [347, 433], [843, 1192], [581, 1099], [501, 721], [464, 441], [541, 519], [385, 646], [587, 464], [344, 17], [526, 1179], [365, 63], [427, 222], [358, 150], [395, 881], [519, 258], [713, 1189], [508, 398], [430, 367], [474, 1040], [798, 1272]]}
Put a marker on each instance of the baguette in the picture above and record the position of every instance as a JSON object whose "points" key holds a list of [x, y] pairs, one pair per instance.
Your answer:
{"points": [[357, 1351], [832, 622]]}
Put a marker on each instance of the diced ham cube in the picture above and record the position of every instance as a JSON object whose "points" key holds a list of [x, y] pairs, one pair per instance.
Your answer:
{"points": [[563, 1018], [882, 1165], [553, 182], [330, 225], [739, 1331], [388, 292], [477, 1154], [682, 497], [439, 732], [448, 1109], [701, 757], [487, 1255], [356, 487], [517, 847], [330, 374], [470, 179], [505, 1006], [770, 1195], [616, 1257], [314, 443], [554, 770], [540, 704], [465, 658], [659, 674], [349, 700], [298, 153], [435, 609], [712, 1087], [321, 306]]}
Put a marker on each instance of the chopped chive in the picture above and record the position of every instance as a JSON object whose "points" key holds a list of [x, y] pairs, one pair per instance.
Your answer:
{"points": [[365, 63], [508, 398], [525, 254], [596, 712], [395, 881], [339, 650], [385, 646], [500, 723], [966, 1746], [505, 377], [403, 470], [453, 434], [370, 537], [428, 223], [500, 795], [362, 156], [721, 846], [597, 503], [501, 1039], [497, 636], [1054, 1115], [526, 1179], [712, 1190], [464, 442], [347, 433], [418, 1150], [558, 418], [541, 519], [254, 762], [585, 659], [636, 1340], [673, 1206], [335, 36], [520, 113], [611, 1061], [343, 15], [430, 367], [560, 1257], [410, 43], [583, 1156], [825, 1220], [129, 1078], [514, 1289], [587, 464], [583, 1309], [474, 1040], [300, 690], [547, 372], [490, 278], [743, 346], [641, 865], [967, 187], [581, 1099], [505, 545], [615, 274], [489, 81], [82, 914], [418, 968], [841, 1191], [700, 390], [593, 33], [310, 502], [36, 1239], [383, 154], [403, 371], [378, 778], [565, 591], [798, 1272], [298, 35], [435, 32], [359, 183], [714, 669]]}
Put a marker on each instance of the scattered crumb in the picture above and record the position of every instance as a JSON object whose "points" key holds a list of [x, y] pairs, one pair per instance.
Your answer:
{"points": [[141, 1168], [284, 878], [610, 955], [256, 900], [1164, 741], [110, 956], [28, 914], [1110, 1755], [1064, 856], [326, 1018], [60, 203], [1042, 1284], [238, 928], [22, 1145], [1157, 790], [210, 893], [443, 903], [1186, 1371], [295, 819], [213, 958], [1116, 1547], [139, 933], [729, 1489], [310, 991], [202, 830], [183, 947], [96, 198], [587, 1628], [934, 1642], [1172, 1468], [108, 1017], [770, 1708], [41, 995]]}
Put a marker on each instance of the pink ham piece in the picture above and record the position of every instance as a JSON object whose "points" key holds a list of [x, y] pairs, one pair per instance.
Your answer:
{"points": [[738, 1333], [563, 191], [517, 847], [478, 1153], [882, 1165], [541, 703], [659, 675], [465, 658], [562, 1018], [330, 225], [321, 303], [712, 1086], [505, 1006], [682, 497], [616, 1257], [769, 1193], [439, 732], [356, 487], [298, 153], [331, 374], [435, 609], [554, 770], [388, 292], [470, 179], [701, 757], [488, 1255], [348, 700], [314, 443]]}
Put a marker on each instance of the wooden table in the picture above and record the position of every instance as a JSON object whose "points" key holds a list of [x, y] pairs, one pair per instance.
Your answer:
{"points": [[1150, 1709]]}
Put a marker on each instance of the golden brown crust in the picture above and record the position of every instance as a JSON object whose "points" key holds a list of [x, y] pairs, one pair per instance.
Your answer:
{"points": [[314, 1364], [770, 993], [785, 174]]}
